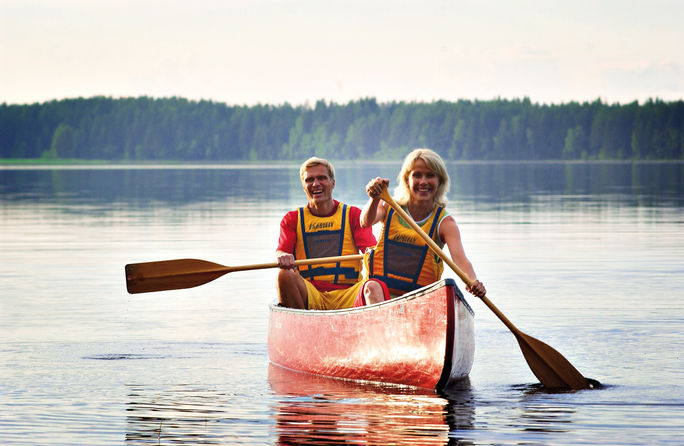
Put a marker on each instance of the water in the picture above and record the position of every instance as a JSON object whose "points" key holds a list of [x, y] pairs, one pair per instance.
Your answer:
{"points": [[586, 257]]}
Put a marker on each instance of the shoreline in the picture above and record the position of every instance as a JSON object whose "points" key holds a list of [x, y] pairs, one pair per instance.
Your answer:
{"points": [[38, 163]]}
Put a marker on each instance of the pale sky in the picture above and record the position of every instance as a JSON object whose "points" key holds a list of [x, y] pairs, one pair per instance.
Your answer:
{"points": [[300, 51]]}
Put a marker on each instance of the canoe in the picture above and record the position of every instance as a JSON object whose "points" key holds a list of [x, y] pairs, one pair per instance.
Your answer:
{"points": [[423, 339]]}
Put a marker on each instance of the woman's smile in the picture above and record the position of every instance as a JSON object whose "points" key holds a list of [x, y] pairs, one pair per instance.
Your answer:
{"points": [[423, 182]]}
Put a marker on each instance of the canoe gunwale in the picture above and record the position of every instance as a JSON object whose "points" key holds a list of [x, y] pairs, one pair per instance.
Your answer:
{"points": [[275, 306]]}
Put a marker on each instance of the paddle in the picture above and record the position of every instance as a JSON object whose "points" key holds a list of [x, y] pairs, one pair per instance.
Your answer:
{"points": [[549, 366], [187, 273]]}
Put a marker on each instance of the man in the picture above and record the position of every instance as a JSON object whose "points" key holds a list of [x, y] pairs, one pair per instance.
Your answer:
{"points": [[323, 228]]}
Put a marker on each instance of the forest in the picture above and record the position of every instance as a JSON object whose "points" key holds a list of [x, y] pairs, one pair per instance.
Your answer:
{"points": [[178, 129]]}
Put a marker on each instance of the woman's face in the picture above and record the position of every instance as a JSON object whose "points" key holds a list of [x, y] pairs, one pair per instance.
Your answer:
{"points": [[422, 182]]}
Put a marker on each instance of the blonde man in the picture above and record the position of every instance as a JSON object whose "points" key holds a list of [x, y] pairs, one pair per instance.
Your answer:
{"points": [[323, 228]]}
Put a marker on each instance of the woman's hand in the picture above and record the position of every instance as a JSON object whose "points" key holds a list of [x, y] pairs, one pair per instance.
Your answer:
{"points": [[375, 186], [374, 211], [477, 289]]}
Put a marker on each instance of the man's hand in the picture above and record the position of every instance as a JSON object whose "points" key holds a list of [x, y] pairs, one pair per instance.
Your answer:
{"points": [[285, 260]]}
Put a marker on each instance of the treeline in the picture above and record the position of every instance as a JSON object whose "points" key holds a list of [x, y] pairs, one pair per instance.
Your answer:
{"points": [[137, 129]]}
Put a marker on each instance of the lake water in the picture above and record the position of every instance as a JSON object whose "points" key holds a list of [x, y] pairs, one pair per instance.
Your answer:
{"points": [[588, 258]]}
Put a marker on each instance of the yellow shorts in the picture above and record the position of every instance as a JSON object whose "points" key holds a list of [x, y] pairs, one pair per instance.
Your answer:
{"points": [[332, 300]]}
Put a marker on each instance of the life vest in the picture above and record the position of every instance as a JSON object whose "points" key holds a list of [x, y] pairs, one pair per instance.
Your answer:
{"points": [[401, 258], [327, 237]]}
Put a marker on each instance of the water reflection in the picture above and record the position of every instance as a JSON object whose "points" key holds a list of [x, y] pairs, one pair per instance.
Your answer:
{"points": [[143, 186], [306, 410], [543, 418], [315, 410], [498, 183], [187, 414], [631, 183]]}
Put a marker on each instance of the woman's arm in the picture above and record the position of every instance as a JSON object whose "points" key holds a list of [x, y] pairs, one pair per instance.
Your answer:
{"points": [[451, 235], [375, 209]]}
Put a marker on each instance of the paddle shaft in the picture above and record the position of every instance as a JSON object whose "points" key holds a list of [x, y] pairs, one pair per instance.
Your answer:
{"points": [[298, 262], [552, 369], [187, 273], [434, 246]]}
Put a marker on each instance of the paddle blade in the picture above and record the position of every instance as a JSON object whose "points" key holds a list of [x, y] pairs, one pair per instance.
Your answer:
{"points": [[171, 275], [549, 366]]}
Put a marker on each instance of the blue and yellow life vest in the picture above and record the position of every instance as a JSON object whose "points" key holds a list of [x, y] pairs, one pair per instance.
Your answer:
{"points": [[327, 237], [401, 258]]}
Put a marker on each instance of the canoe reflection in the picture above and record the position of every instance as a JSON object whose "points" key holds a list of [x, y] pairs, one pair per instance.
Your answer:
{"points": [[319, 410]]}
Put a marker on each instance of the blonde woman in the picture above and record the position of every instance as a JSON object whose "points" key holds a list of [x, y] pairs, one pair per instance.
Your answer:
{"points": [[402, 259]]}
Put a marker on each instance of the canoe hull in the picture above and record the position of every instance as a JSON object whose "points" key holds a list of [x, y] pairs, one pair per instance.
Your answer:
{"points": [[423, 339]]}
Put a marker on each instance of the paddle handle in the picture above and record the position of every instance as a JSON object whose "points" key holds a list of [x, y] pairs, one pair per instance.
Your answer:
{"points": [[315, 261]]}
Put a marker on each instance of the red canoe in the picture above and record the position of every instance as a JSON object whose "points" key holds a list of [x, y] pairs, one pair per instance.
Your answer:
{"points": [[423, 339]]}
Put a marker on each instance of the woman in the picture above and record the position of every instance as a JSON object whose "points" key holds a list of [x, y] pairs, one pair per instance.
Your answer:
{"points": [[402, 259]]}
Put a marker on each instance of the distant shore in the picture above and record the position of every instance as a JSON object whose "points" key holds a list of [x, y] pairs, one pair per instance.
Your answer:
{"points": [[43, 163]]}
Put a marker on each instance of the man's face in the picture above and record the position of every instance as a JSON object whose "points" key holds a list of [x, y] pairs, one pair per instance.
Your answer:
{"points": [[317, 184]]}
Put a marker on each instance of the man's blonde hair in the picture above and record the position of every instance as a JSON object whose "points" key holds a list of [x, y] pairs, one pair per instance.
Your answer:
{"points": [[435, 163], [315, 161]]}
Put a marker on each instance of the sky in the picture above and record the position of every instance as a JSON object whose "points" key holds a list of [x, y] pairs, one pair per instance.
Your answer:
{"points": [[247, 52]]}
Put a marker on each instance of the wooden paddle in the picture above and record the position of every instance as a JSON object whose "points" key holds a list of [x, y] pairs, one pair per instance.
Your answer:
{"points": [[187, 273], [549, 366]]}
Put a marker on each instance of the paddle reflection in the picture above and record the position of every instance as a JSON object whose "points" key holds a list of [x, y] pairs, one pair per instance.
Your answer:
{"points": [[314, 410]]}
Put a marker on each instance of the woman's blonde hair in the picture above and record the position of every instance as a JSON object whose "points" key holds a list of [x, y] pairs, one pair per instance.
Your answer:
{"points": [[315, 161], [433, 162]]}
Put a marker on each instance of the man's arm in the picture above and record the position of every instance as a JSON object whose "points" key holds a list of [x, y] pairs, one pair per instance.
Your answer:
{"points": [[287, 240]]}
